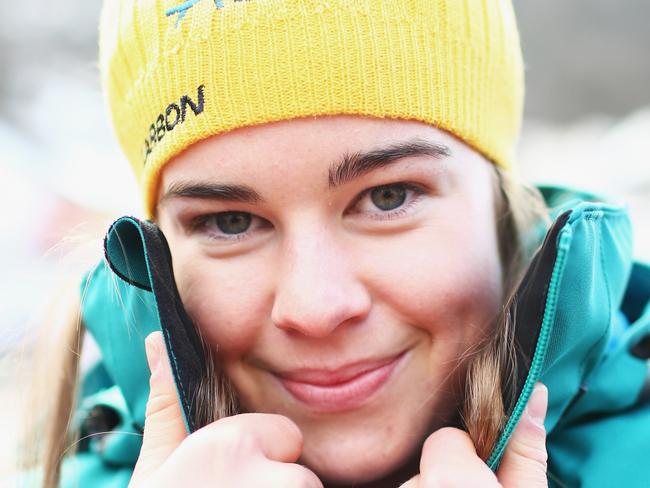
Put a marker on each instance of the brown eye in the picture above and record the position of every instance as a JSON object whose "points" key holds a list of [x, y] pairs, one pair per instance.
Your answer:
{"points": [[388, 197], [233, 222]]}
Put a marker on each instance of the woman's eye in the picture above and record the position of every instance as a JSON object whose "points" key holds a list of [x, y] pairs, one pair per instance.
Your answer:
{"points": [[233, 222], [227, 226], [388, 197], [388, 201]]}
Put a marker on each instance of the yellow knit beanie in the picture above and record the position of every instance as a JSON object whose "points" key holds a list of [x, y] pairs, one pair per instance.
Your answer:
{"points": [[177, 71]]}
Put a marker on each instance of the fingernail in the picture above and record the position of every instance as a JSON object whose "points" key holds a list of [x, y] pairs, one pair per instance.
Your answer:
{"points": [[152, 348], [537, 404]]}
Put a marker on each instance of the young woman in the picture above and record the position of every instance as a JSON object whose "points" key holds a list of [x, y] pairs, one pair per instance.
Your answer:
{"points": [[339, 304], [333, 183]]}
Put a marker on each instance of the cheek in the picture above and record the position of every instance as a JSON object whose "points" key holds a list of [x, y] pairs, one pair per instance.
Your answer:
{"points": [[445, 278], [227, 300]]}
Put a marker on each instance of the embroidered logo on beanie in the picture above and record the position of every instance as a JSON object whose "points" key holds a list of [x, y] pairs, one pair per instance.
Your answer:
{"points": [[174, 114], [182, 9]]}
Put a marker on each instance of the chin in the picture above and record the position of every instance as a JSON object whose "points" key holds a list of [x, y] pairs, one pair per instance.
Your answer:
{"points": [[334, 476], [362, 464]]}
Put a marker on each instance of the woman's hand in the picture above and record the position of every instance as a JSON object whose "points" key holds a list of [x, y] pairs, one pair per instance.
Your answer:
{"points": [[248, 450], [449, 458]]}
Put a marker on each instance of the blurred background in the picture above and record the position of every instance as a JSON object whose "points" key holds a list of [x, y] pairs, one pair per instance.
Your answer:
{"points": [[587, 125]]}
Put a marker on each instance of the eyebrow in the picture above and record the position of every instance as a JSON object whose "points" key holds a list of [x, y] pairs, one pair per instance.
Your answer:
{"points": [[212, 191], [348, 168], [354, 165]]}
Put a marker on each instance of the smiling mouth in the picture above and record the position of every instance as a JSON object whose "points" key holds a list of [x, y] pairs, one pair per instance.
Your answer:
{"points": [[342, 389]]}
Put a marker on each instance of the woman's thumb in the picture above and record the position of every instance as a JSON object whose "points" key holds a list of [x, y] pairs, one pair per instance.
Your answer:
{"points": [[164, 427], [524, 461]]}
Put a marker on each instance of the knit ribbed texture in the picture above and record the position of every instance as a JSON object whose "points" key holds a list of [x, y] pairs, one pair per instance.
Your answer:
{"points": [[455, 64]]}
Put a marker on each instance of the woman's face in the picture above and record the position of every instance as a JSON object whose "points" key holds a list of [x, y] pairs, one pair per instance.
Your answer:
{"points": [[340, 267]]}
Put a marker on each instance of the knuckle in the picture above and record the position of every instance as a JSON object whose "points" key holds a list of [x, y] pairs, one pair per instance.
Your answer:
{"points": [[232, 436], [161, 402], [526, 453], [448, 479], [195, 444], [439, 480], [447, 437], [302, 477], [290, 425], [222, 438], [527, 474], [442, 480], [279, 421]]}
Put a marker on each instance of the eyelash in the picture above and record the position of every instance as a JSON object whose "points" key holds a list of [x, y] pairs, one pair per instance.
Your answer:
{"points": [[414, 192]]}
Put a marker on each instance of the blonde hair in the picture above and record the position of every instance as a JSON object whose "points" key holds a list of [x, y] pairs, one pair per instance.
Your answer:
{"points": [[51, 399], [489, 366]]}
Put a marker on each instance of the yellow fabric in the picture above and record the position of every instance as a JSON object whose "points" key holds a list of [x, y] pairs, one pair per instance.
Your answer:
{"points": [[455, 64]]}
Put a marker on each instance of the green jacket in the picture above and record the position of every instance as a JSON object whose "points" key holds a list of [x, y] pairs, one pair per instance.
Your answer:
{"points": [[583, 326]]}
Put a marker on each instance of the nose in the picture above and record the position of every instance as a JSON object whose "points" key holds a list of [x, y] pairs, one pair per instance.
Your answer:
{"points": [[317, 287]]}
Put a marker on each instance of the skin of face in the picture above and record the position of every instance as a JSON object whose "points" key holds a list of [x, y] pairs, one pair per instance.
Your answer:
{"points": [[320, 277]]}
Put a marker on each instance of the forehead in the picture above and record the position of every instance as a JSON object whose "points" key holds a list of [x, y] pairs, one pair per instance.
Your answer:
{"points": [[305, 149]]}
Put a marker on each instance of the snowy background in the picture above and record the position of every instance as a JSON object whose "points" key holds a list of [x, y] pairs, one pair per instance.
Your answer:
{"points": [[63, 179]]}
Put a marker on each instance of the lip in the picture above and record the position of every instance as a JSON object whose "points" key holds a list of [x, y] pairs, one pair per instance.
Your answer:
{"points": [[340, 389]]}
